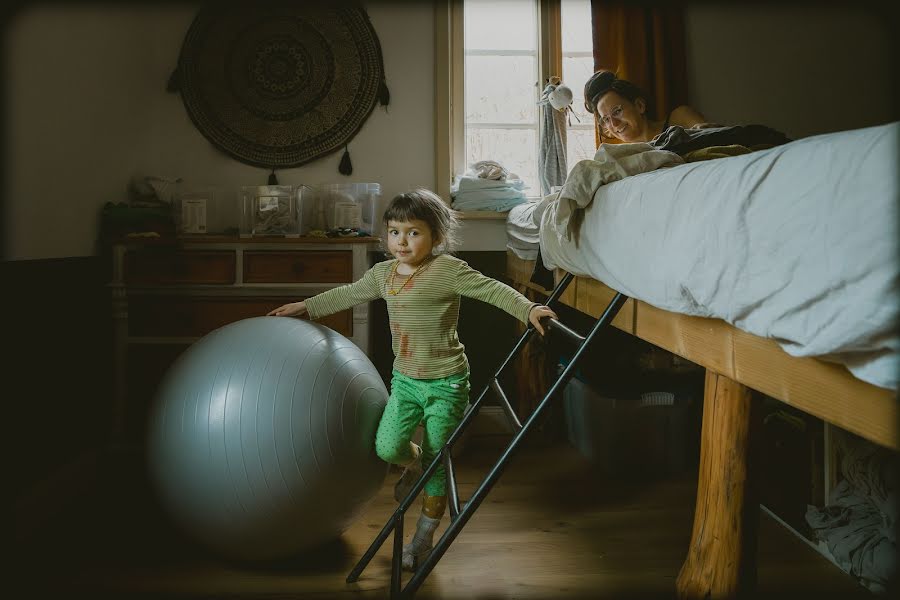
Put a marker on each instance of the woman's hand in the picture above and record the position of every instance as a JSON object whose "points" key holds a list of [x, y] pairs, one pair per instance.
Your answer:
{"points": [[294, 309], [537, 313]]}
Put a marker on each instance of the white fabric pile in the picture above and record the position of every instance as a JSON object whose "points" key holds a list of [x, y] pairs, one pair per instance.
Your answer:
{"points": [[522, 232], [858, 525], [487, 185]]}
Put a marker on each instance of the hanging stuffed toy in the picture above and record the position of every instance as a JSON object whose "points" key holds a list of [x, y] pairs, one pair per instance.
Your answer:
{"points": [[560, 97]]}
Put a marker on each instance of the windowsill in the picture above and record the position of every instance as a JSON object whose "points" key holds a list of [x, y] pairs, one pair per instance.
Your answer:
{"points": [[488, 215]]}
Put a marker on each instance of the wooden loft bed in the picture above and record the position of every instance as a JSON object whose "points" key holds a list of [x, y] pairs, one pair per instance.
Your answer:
{"points": [[721, 557]]}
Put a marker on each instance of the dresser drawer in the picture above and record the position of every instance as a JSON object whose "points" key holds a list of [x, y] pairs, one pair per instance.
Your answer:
{"points": [[183, 316], [288, 266], [173, 267]]}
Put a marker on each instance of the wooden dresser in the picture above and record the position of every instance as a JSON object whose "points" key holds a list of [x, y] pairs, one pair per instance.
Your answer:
{"points": [[166, 294]]}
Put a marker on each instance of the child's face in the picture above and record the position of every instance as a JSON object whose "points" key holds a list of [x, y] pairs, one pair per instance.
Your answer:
{"points": [[410, 242]]}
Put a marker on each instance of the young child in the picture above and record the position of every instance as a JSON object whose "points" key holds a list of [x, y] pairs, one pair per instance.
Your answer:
{"points": [[422, 286]]}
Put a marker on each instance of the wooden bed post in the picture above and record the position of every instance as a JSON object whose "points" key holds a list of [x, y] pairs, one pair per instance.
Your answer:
{"points": [[721, 560]]}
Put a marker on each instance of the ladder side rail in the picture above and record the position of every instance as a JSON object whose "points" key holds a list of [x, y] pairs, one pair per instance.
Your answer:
{"points": [[396, 518], [488, 482], [397, 560], [379, 540], [559, 289], [426, 475], [452, 489]]}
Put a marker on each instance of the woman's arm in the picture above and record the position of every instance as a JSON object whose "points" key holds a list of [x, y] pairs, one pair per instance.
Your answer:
{"points": [[687, 117]]}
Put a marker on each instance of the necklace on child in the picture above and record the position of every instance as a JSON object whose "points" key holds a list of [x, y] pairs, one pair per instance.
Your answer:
{"points": [[421, 268]]}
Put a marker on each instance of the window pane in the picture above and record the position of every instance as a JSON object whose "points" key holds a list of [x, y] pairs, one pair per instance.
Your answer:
{"points": [[579, 146], [576, 26], [576, 71], [501, 89], [515, 149], [500, 24]]}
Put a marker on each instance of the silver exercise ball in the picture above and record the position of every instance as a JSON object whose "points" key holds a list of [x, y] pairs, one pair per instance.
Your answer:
{"points": [[262, 437]]}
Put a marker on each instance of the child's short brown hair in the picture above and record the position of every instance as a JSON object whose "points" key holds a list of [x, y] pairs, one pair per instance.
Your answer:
{"points": [[427, 206]]}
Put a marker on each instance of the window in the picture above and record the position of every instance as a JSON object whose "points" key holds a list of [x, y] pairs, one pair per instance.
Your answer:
{"points": [[577, 68], [493, 57], [501, 90]]}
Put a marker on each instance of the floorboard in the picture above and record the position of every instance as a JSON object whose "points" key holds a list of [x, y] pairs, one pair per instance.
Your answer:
{"points": [[551, 528]]}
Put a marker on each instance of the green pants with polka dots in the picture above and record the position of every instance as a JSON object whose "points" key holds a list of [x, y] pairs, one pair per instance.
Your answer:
{"points": [[437, 403]]}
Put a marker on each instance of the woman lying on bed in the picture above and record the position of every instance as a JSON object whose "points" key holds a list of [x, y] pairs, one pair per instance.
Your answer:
{"points": [[621, 107]]}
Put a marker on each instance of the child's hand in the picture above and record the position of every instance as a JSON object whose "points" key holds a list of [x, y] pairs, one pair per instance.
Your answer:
{"points": [[539, 312], [294, 309]]}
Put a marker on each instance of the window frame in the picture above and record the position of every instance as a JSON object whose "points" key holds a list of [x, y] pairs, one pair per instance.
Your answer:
{"points": [[450, 143]]}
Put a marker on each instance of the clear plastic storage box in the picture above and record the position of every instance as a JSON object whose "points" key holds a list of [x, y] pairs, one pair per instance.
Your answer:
{"points": [[269, 210], [198, 211], [332, 206]]}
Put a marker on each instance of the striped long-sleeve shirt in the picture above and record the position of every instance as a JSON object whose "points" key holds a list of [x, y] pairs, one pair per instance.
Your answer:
{"points": [[425, 311]]}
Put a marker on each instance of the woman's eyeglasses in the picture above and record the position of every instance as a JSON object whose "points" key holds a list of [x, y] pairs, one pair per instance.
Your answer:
{"points": [[614, 115]]}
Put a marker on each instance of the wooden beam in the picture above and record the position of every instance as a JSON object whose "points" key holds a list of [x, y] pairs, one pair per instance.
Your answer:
{"points": [[827, 391], [593, 297], [721, 560]]}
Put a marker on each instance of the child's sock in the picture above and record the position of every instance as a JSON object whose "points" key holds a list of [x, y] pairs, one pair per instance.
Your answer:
{"points": [[410, 475], [423, 540]]}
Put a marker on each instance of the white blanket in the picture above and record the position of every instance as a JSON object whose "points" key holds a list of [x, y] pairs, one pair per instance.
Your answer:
{"points": [[612, 162], [797, 243]]}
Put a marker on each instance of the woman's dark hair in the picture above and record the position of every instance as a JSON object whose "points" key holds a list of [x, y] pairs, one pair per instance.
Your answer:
{"points": [[602, 82], [427, 206]]}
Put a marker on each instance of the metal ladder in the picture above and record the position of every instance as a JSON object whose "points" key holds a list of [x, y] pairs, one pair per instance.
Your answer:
{"points": [[459, 517]]}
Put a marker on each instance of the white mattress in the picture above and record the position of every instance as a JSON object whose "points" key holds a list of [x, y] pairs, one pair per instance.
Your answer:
{"points": [[797, 243]]}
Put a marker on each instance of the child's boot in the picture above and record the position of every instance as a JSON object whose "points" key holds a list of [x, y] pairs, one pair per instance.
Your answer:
{"points": [[410, 475], [415, 552]]}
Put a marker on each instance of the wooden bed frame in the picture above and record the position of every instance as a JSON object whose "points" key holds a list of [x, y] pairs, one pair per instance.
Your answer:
{"points": [[721, 559]]}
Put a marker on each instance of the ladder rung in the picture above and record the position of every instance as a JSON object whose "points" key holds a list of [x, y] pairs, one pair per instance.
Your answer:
{"points": [[452, 492], [397, 560], [571, 335], [507, 407]]}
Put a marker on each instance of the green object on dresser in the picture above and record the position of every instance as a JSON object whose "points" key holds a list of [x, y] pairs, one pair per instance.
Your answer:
{"points": [[119, 220]]}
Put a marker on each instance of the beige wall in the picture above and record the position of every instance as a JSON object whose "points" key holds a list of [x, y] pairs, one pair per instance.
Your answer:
{"points": [[87, 109], [74, 118], [803, 68]]}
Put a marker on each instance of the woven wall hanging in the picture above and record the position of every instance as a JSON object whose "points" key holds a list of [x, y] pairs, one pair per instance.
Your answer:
{"points": [[278, 85]]}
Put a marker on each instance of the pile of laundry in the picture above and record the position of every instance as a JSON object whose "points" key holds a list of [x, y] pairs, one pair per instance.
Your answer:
{"points": [[487, 185], [523, 236], [858, 525]]}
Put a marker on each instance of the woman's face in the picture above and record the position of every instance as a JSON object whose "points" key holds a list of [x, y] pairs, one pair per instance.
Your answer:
{"points": [[621, 118]]}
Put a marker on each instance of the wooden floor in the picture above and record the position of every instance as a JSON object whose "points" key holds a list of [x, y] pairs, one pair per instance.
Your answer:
{"points": [[550, 529]]}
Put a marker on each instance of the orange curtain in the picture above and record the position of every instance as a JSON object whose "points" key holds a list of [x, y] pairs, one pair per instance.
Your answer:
{"points": [[644, 43]]}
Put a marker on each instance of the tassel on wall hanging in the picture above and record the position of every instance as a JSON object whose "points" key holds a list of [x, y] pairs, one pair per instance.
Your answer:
{"points": [[346, 167]]}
